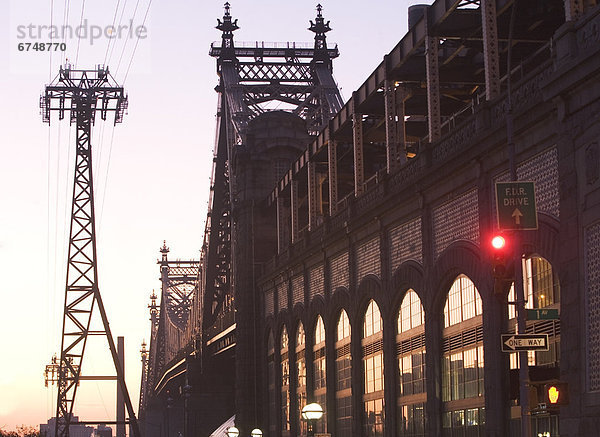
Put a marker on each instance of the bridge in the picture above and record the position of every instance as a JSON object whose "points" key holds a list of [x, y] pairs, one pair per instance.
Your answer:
{"points": [[346, 256]]}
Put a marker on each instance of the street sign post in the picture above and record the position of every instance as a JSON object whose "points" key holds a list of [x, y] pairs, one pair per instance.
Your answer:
{"points": [[515, 206], [524, 342], [543, 314]]}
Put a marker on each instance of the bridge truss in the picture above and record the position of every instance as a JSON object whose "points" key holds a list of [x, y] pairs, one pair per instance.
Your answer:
{"points": [[197, 314], [254, 79]]}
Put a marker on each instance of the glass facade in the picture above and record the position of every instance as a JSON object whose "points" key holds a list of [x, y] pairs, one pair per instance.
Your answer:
{"points": [[320, 378], [285, 381], [301, 375], [272, 387], [343, 383], [463, 364], [411, 420], [469, 422], [410, 346], [372, 346]]}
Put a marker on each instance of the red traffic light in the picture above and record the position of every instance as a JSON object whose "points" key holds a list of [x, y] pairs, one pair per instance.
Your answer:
{"points": [[501, 259], [498, 242]]}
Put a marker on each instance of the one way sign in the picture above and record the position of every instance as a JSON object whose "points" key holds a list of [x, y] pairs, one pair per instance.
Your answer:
{"points": [[524, 342]]}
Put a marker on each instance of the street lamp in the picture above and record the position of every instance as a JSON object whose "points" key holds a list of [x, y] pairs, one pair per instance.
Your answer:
{"points": [[311, 413], [256, 433], [232, 431]]}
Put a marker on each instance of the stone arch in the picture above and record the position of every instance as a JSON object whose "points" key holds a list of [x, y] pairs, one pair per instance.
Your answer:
{"points": [[370, 287], [408, 276]]}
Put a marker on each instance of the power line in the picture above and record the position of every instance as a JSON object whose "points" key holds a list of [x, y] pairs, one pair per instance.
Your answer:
{"points": [[113, 26], [112, 138], [79, 33], [65, 22], [118, 27], [126, 39], [136, 43]]}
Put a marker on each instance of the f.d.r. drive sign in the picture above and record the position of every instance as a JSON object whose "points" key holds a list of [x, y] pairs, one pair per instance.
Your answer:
{"points": [[515, 205]]}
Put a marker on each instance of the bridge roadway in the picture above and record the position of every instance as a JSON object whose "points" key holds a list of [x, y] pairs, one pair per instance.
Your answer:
{"points": [[318, 245]]}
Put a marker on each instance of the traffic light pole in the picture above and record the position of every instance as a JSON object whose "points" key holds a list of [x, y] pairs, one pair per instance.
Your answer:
{"points": [[518, 249]]}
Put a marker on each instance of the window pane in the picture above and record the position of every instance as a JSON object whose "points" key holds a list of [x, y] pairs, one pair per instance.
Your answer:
{"points": [[319, 331], [343, 328]]}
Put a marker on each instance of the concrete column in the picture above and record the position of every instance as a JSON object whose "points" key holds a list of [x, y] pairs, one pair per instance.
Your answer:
{"points": [[433, 363], [390, 370]]}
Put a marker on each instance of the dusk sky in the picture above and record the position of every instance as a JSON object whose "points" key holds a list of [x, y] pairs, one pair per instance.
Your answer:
{"points": [[151, 172]]}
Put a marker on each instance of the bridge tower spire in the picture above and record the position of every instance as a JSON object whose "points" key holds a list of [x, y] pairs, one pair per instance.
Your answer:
{"points": [[320, 28], [227, 26]]}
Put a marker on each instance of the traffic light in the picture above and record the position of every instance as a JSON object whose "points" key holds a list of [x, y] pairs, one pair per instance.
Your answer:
{"points": [[556, 394], [499, 257], [502, 265]]}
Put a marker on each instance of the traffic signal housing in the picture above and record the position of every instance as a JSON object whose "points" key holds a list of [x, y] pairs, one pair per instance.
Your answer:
{"points": [[502, 262], [499, 257]]}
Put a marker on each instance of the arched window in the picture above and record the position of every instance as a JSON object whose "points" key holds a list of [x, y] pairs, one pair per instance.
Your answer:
{"points": [[463, 302], [410, 344], [343, 383], [301, 375], [372, 351], [285, 381], [272, 383], [320, 374], [462, 371]]}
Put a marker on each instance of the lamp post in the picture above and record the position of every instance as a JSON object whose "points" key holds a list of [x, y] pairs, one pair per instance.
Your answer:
{"points": [[232, 431], [311, 413]]}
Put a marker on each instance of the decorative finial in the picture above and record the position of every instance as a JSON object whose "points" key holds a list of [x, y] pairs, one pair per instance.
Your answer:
{"points": [[227, 26], [320, 28]]}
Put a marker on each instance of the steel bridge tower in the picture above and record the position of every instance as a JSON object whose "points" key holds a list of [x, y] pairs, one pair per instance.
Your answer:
{"points": [[272, 99], [83, 93], [262, 88]]}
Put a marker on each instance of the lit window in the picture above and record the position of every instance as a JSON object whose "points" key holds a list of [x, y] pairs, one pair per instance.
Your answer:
{"points": [[343, 328], [373, 322], [411, 312], [463, 302]]}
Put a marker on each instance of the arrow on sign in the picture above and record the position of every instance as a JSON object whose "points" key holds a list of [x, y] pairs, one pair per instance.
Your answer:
{"points": [[517, 216], [510, 343]]}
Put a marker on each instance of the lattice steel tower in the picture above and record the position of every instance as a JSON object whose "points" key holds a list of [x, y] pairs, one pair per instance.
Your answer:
{"points": [[83, 93]]}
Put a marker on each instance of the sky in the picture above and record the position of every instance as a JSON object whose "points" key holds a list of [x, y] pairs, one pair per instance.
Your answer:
{"points": [[151, 173]]}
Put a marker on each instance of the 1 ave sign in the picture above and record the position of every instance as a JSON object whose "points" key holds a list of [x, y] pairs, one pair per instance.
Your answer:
{"points": [[524, 342], [515, 205]]}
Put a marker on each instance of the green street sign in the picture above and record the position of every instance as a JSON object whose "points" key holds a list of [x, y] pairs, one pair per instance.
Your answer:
{"points": [[543, 314], [515, 206]]}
